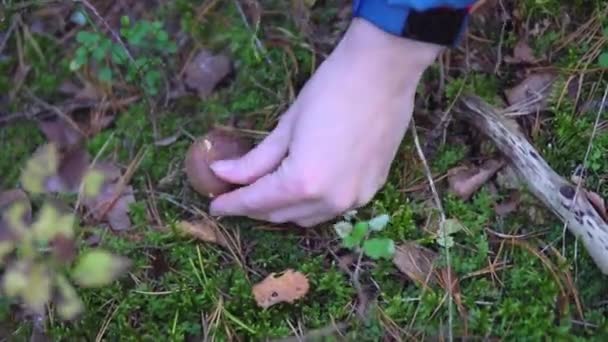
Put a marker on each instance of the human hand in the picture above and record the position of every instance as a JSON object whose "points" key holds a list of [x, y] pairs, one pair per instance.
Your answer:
{"points": [[333, 148]]}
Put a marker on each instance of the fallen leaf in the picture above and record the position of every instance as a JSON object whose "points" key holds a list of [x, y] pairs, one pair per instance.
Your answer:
{"points": [[509, 205], [253, 11], [464, 182], [72, 167], [531, 95], [109, 205], [522, 53], [60, 132], [287, 287], [416, 262], [204, 231], [206, 71], [598, 203], [81, 92]]}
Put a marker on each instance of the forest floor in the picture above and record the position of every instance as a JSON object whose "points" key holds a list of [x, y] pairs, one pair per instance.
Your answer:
{"points": [[113, 82]]}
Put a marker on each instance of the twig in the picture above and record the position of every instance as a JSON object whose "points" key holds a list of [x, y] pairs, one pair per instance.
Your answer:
{"points": [[7, 35], [585, 159], [437, 200], [256, 40], [554, 191]]}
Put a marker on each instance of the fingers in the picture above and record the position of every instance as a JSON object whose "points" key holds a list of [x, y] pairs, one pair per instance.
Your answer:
{"points": [[261, 160], [265, 195]]}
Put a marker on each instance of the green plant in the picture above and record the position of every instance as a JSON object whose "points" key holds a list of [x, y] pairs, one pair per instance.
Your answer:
{"points": [[39, 257], [148, 39], [356, 236]]}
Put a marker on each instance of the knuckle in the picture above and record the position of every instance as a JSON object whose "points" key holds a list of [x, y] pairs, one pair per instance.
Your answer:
{"points": [[340, 204], [306, 186]]}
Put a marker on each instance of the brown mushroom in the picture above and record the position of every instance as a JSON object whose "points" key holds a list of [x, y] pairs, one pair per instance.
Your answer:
{"points": [[213, 146]]}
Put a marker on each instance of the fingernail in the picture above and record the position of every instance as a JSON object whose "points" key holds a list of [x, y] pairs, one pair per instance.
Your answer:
{"points": [[222, 166]]}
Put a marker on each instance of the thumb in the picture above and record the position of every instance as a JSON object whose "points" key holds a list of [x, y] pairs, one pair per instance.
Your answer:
{"points": [[261, 160]]}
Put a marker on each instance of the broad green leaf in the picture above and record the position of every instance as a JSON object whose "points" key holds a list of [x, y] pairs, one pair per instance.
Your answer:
{"points": [[119, 56], [99, 268], [343, 228], [356, 236], [51, 223], [92, 182], [603, 60], [41, 165], [87, 38], [69, 304], [38, 291], [379, 248], [379, 223], [105, 74], [14, 280], [99, 53]]}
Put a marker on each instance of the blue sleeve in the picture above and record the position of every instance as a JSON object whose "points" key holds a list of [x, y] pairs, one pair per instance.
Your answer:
{"points": [[421, 5]]}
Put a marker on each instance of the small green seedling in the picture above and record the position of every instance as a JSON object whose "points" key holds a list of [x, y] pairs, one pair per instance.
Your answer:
{"points": [[148, 41], [356, 236]]}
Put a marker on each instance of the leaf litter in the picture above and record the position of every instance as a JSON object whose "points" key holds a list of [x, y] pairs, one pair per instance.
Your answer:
{"points": [[465, 181], [287, 287]]}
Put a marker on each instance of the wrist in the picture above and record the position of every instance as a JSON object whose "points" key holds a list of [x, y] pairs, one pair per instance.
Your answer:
{"points": [[384, 51]]}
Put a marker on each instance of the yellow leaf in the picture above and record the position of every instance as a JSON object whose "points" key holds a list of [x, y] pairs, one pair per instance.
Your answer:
{"points": [[42, 164], [92, 182], [51, 223]]}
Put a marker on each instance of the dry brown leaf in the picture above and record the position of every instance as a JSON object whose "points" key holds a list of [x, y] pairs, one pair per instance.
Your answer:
{"points": [[508, 206], [598, 203], [109, 205], [205, 71], [87, 91], [73, 165], [522, 53], [464, 182], [287, 287], [204, 231], [416, 262], [60, 132], [532, 93]]}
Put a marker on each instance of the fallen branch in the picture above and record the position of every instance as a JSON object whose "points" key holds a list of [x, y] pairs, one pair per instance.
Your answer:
{"points": [[553, 190]]}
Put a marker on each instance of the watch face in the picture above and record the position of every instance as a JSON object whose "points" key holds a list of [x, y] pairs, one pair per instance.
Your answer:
{"points": [[440, 26]]}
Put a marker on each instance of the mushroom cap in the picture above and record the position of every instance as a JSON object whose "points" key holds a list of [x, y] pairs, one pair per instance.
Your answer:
{"points": [[213, 146]]}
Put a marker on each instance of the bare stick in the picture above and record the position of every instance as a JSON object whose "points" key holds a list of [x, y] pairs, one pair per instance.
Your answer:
{"points": [[553, 190], [429, 175]]}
